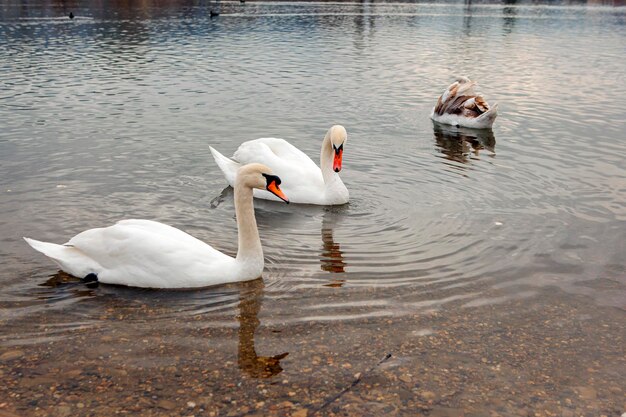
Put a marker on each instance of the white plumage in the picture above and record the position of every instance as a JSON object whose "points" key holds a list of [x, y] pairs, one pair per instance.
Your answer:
{"points": [[140, 253]]}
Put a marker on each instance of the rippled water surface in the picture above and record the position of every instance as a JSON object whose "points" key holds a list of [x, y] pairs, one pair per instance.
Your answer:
{"points": [[110, 116]]}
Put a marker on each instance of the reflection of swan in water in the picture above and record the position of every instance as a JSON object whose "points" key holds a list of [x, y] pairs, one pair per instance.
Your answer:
{"points": [[458, 142], [64, 281], [331, 257], [250, 299], [255, 366]]}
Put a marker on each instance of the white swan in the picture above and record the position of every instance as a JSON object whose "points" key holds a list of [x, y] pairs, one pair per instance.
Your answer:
{"points": [[460, 105], [145, 253], [305, 182]]}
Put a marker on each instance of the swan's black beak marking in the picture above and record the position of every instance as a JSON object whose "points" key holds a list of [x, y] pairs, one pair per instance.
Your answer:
{"points": [[273, 183]]}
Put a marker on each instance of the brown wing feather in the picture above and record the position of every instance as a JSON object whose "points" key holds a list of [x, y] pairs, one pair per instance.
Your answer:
{"points": [[455, 105], [470, 112], [451, 90], [482, 105], [438, 106]]}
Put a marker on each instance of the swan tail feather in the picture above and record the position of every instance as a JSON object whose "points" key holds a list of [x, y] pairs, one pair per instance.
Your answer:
{"points": [[68, 258], [227, 165]]}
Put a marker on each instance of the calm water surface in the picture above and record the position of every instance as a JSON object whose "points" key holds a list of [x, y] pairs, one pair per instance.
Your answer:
{"points": [[110, 116]]}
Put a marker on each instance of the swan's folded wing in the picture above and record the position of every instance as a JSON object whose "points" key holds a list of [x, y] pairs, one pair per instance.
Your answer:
{"points": [[143, 239], [163, 230], [147, 254], [455, 105], [282, 157], [452, 100]]}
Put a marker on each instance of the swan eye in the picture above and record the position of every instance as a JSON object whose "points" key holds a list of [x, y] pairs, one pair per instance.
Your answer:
{"points": [[338, 149], [271, 178]]}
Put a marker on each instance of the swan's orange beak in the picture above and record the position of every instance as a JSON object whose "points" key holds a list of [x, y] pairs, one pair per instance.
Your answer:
{"points": [[273, 188], [337, 159]]}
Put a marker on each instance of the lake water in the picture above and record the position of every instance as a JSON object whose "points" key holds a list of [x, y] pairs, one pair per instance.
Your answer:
{"points": [[491, 265]]}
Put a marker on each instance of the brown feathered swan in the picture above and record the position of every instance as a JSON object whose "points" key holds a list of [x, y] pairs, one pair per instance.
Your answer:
{"points": [[461, 105]]}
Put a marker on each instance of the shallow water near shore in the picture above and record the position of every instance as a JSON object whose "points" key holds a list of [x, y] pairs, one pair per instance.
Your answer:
{"points": [[472, 273]]}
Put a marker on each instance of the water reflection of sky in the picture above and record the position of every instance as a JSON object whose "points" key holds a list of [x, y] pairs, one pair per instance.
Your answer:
{"points": [[110, 115]]}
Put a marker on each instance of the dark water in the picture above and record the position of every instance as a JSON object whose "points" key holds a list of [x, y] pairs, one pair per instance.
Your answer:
{"points": [[110, 116]]}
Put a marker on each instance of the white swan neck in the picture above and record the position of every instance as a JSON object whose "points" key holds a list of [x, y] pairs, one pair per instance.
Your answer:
{"points": [[326, 160], [250, 250]]}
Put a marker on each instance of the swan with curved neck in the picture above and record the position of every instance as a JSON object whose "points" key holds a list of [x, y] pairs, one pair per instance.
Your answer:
{"points": [[145, 253], [305, 182]]}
